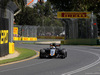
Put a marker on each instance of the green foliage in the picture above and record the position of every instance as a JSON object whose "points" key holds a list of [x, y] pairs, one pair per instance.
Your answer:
{"points": [[62, 5], [20, 4], [3, 3], [41, 15], [48, 10], [78, 5], [80, 42], [26, 17], [87, 5]]}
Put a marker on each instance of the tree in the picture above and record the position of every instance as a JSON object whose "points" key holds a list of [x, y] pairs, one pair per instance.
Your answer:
{"points": [[20, 4], [48, 9], [62, 5], [27, 17], [40, 14], [78, 5]]}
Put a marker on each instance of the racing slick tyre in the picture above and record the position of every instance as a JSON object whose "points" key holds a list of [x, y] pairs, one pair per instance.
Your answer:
{"points": [[42, 53], [64, 54]]}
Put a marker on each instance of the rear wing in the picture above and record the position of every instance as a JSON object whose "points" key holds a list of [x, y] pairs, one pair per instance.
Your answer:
{"points": [[56, 45]]}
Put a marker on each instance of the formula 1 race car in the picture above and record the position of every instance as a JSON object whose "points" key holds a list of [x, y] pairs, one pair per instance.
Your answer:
{"points": [[53, 51]]}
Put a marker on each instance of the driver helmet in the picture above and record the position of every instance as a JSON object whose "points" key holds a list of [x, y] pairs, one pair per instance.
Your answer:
{"points": [[53, 46]]}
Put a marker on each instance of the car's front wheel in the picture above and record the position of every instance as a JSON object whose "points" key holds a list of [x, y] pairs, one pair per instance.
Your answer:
{"points": [[42, 53]]}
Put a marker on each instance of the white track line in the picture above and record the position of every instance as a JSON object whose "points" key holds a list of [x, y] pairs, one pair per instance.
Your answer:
{"points": [[85, 67], [25, 66]]}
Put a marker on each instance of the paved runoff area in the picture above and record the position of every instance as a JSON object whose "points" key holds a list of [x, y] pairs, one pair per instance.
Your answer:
{"points": [[9, 56]]}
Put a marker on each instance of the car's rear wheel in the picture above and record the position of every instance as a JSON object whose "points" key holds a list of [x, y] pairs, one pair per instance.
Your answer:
{"points": [[64, 54], [63, 57]]}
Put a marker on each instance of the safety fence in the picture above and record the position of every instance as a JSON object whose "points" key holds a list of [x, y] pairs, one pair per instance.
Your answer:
{"points": [[50, 31], [31, 33], [25, 33]]}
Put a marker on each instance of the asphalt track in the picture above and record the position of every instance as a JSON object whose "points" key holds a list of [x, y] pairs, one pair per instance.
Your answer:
{"points": [[81, 60]]}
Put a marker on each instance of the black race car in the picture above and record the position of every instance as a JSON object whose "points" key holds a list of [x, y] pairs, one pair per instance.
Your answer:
{"points": [[53, 51]]}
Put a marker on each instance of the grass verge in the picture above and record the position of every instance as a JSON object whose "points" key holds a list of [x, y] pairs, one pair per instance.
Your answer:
{"points": [[24, 53]]}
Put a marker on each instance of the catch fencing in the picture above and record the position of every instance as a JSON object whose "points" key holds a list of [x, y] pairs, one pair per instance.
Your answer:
{"points": [[25, 33], [50, 31], [40, 32]]}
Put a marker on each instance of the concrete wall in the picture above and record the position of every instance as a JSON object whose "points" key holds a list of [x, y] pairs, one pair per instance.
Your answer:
{"points": [[6, 21]]}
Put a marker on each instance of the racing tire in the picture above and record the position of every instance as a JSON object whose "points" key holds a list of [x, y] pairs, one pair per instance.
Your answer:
{"points": [[64, 54], [42, 53], [41, 56], [63, 57]]}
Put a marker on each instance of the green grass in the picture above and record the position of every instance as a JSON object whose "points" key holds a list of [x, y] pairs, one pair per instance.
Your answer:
{"points": [[24, 53], [79, 42]]}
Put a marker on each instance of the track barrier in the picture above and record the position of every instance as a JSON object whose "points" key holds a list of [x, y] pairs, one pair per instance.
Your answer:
{"points": [[24, 38], [11, 48]]}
